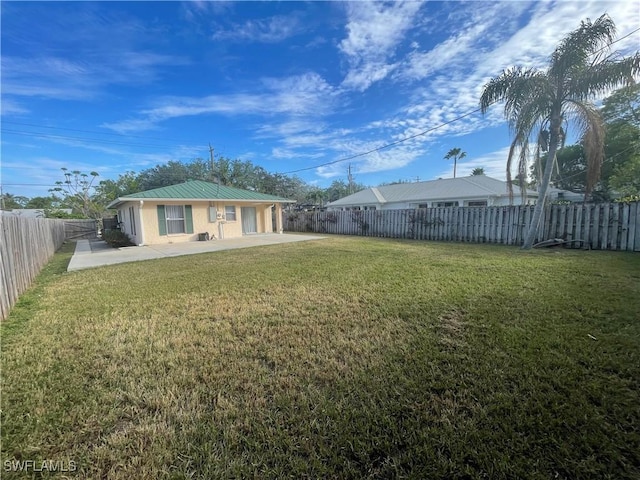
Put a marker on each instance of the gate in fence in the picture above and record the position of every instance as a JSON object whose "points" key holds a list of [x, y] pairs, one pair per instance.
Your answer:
{"points": [[80, 229]]}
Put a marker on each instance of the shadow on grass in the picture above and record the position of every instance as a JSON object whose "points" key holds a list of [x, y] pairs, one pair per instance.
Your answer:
{"points": [[29, 302]]}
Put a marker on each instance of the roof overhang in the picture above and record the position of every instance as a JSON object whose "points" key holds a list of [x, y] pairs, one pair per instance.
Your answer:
{"points": [[121, 200]]}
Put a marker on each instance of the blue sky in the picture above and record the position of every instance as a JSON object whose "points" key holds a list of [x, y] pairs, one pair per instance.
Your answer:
{"points": [[123, 86]]}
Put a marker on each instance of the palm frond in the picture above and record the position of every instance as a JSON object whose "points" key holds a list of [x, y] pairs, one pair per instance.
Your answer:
{"points": [[593, 131], [514, 85], [603, 77], [574, 51]]}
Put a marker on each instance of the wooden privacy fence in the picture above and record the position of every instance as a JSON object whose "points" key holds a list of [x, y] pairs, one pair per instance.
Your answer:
{"points": [[605, 226], [26, 245]]}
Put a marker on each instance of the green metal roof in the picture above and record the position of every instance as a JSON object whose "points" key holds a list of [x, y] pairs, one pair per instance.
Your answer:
{"points": [[199, 190]]}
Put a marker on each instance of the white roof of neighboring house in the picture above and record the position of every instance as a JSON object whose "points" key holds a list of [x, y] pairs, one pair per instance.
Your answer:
{"points": [[31, 212], [475, 186]]}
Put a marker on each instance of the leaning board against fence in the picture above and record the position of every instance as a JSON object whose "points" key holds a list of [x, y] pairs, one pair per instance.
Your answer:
{"points": [[606, 226], [26, 245]]}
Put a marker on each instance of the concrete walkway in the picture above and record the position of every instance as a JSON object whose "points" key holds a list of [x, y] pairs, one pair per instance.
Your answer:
{"points": [[96, 253]]}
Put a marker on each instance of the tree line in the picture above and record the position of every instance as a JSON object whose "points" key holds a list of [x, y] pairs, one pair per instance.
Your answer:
{"points": [[88, 197]]}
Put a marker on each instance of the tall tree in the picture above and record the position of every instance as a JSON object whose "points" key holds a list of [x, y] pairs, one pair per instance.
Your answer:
{"points": [[456, 154], [108, 190], [45, 203], [9, 201], [621, 112], [539, 102], [78, 190]]}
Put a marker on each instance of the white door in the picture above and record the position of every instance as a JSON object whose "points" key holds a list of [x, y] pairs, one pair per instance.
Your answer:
{"points": [[249, 220]]}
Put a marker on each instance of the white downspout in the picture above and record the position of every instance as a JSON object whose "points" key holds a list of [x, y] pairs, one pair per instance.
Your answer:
{"points": [[141, 243]]}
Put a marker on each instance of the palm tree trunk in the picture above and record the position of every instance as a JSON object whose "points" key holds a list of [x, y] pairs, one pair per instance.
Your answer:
{"points": [[554, 138]]}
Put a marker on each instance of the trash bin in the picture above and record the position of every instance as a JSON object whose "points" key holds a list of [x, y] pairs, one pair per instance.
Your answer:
{"points": [[203, 236]]}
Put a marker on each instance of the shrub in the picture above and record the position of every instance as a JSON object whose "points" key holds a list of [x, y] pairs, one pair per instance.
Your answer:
{"points": [[116, 238]]}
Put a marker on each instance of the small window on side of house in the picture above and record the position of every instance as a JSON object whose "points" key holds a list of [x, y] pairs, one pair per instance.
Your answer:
{"points": [[478, 203], [230, 213], [423, 205]]}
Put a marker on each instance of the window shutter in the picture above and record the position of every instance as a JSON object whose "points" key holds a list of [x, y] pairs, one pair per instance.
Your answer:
{"points": [[162, 221], [188, 218]]}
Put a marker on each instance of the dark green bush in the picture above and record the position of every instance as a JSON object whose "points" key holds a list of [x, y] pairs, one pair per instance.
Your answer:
{"points": [[116, 238]]}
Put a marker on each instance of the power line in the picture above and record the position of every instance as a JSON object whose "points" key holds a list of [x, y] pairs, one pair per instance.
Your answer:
{"points": [[28, 185]]}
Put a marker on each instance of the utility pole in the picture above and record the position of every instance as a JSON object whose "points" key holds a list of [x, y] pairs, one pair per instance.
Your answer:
{"points": [[212, 164], [350, 177]]}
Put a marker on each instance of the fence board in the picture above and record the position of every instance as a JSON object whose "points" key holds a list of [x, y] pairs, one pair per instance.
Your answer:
{"points": [[625, 226], [633, 230], [605, 227]]}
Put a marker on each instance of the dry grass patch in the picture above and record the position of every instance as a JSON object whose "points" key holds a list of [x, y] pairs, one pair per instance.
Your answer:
{"points": [[342, 358]]}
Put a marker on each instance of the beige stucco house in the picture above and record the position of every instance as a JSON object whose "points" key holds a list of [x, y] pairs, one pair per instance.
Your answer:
{"points": [[195, 209]]}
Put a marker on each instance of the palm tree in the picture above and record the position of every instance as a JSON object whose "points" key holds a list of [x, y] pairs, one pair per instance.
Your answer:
{"points": [[456, 154], [539, 102], [477, 171]]}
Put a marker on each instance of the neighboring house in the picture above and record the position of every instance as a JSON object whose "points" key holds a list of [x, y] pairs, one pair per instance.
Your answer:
{"points": [[191, 210], [32, 212], [472, 191]]}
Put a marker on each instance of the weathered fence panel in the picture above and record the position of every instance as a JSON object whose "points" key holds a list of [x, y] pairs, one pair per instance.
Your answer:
{"points": [[77, 229], [603, 226], [26, 245]]}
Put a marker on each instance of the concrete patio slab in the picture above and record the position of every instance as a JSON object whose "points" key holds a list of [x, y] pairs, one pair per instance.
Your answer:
{"points": [[90, 254]]}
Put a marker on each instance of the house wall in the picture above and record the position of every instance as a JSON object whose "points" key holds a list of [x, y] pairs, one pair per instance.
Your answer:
{"points": [[221, 228]]}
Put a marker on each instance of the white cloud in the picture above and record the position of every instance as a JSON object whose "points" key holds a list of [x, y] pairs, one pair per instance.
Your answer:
{"points": [[374, 30], [279, 152], [267, 30], [367, 74], [10, 107], [66, 79], [300, 95]]}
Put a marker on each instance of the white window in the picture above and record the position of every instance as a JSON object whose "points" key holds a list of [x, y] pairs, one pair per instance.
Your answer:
{"points": [[132, 221], [447, 204], [175, 219], [423, 205], [478, 203], [230, 213]]}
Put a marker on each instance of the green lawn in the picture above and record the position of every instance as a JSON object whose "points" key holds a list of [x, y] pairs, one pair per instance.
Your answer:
{"points": [[340, 358]]}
